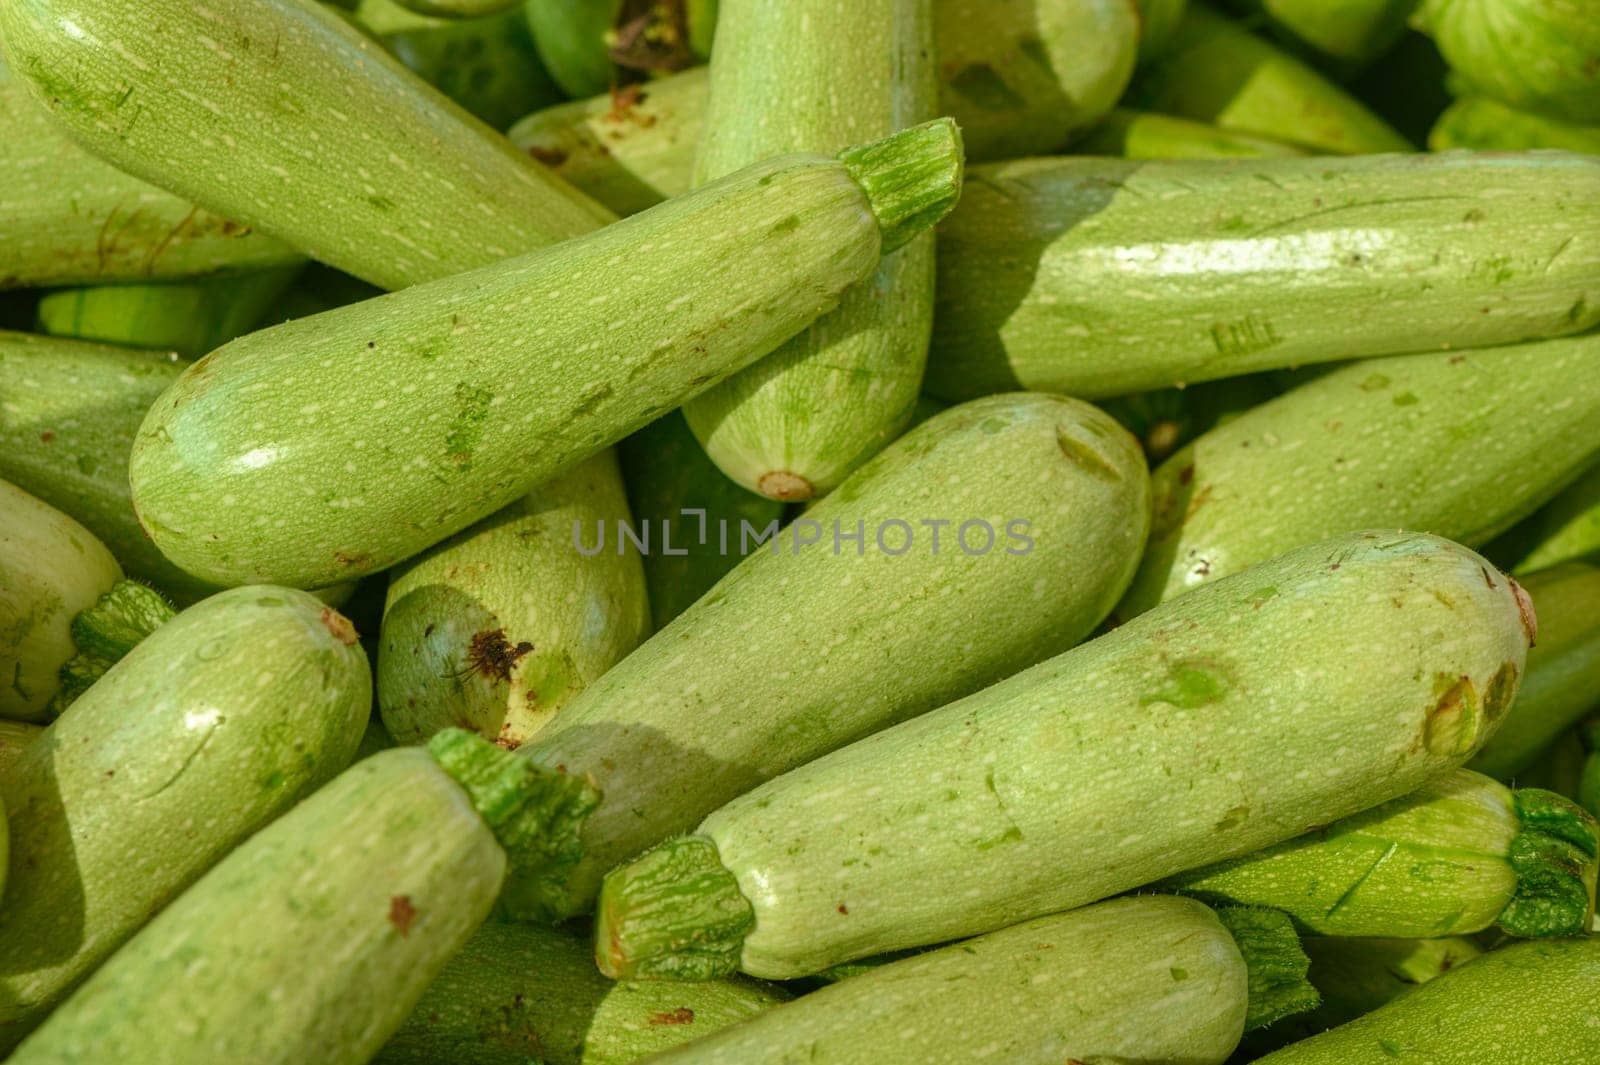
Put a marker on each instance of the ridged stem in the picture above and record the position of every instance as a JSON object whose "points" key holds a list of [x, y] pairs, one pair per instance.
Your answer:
{"points": [[1275, 963], [105, 632], [912, 178], [1555, 859], [674, 913]]}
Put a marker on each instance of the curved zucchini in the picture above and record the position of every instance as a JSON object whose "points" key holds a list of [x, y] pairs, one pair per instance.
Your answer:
{"points": [[1147, 135], [14, 739], [814, 75], [1096, 277], [590, 46], [456, 398], [1462, 445], [1348, 33], [315, 938], [1478, 122], [245, 703], [517, 993], [814, 641], [51, 568], [1566, 529], [499, 628], [70, 219], [1218, 72], [1536, 55], [1238, 724], [1528, 1002]]}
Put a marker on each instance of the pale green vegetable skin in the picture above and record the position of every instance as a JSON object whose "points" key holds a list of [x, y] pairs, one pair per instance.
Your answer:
{"points": [[1567, 529], [801, 650], [218, 722], [70, 219], [1476, 122], [1351, 32], [1151, 979], [1146, 135], [1461, 445], [571, 37], [1096, 278], [1526, 1004], [1233, 713], [50, 568], [463, 9], [817, 76], [1539, 55], [309, 943], [455, 398], [498, 628], [14, 739], [519, 993]]}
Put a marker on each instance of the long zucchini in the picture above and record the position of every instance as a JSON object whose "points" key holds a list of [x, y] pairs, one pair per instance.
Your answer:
{"points": [[1147, 135]]}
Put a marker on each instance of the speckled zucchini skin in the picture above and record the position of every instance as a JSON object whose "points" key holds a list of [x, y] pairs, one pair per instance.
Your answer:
{"points": [[50, 568], [1478, 122], [1526, 1004], [309, 943], [14, 738], [1462, 445], [1539, 55], [70, 219], [244, 704], [1147, 135], [800, 650], [1169, 987], [500, 627], [517, 993], [1096, 278]]}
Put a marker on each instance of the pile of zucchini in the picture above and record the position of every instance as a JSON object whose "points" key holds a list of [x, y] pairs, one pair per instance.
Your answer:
{"points": [[728, 531]]}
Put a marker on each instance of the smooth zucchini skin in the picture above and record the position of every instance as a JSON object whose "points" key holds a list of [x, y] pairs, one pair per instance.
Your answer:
{"points": [[1478, 122], [309, 943], [1537, 55], [1169, 985], [50, 568], [520, 993], [348, 163], [1096, 277], [1349, 33], [459, 9], [801, 649], [1567, 529], [500, 627], [14, 739], [70, 219], [215, 724], [1528, 1003], [1462, 445], [1147, 135]]}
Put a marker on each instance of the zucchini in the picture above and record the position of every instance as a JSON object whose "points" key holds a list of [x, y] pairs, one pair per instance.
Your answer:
{"points": [[458, 9], [590, 46], [1172, 985], [1158, 22], [315, 938], [813, 641], [677, 495], [51, 568], [814, 75], [14, 739], [518, 993], [1536, 55], [1233, 714], [1146, 135], [1478, 122], [1528, 1002], [450, 403], [1218, 72], [1462, 445], [501, 626], [1453, 857], [113, 813], [1567, 529], [1098, 277], [1347, 34], [1559, 690]]}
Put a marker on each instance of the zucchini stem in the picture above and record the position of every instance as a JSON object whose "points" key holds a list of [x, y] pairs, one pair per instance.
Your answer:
{"points": [[675, 913], [1554, 856], [105, 632], [1274, 961], [911, 178]]}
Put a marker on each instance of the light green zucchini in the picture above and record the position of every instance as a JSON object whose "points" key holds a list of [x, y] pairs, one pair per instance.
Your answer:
{"points": [[1528, 1003], [814, 76], [1238, 724], [1348, 34], [218, 722], [518, 993], [1462, 445], [69, 219], [1146, 135], [679, 497], [590, 46], [51, 568], [1216, 71], [1170, 986], [1478, 122], [190, 317], [350, 163], [459, 9], [1158, 22], [1567, 529], [501, 626], [1098, 277], [1563, 682], [14, 739], [813, 641], [1460, 853], [453, 399], [315, 938], [1536, 55]]}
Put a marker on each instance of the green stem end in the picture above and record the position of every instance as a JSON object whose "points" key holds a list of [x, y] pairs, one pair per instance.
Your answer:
{"points": [[912, 178], [105, 632], [1555, 859], [1275, 962], [675, 913]]}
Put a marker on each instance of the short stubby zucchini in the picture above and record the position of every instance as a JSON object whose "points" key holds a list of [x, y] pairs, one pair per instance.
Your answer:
{"points": [[315, 938], [1147, 135], [1478, 122], [1567, 529], [1463, 445], [1539, 55], [500, 627], [1235, 723], [1348, 34], [855, 617], [455, 398], [1095, 277], [218, 722], [1460, 853]]}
